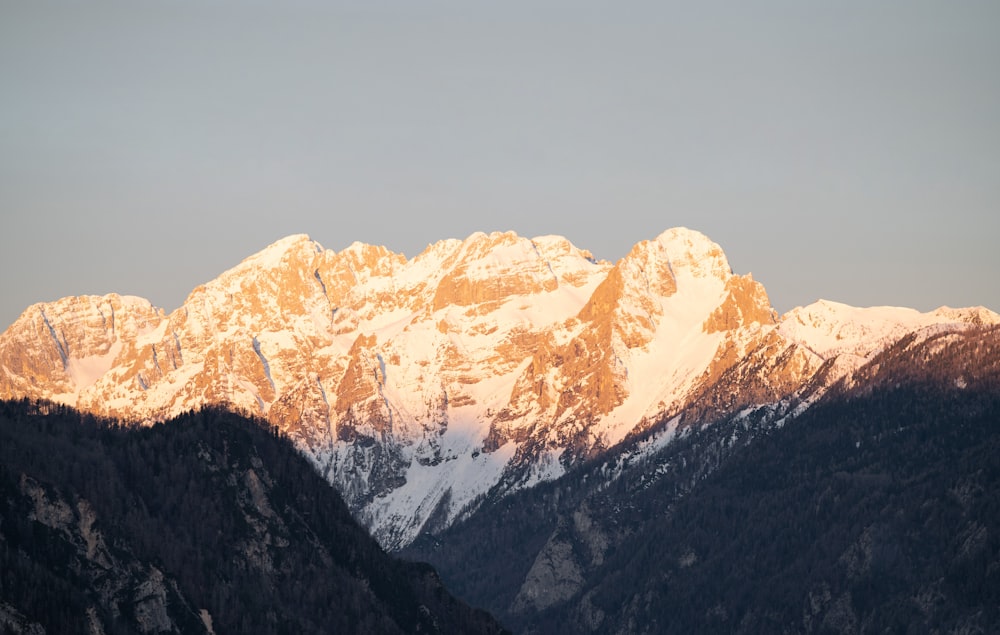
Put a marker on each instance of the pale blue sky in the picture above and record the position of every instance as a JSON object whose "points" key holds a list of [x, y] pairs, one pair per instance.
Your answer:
{"points": [[840, 150]]}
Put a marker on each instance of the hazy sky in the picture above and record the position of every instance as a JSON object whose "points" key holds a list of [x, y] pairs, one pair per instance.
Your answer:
{"points": [[840, 150]]}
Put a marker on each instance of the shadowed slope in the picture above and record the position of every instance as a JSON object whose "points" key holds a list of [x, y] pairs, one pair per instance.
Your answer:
{"points": [[206, 521]]}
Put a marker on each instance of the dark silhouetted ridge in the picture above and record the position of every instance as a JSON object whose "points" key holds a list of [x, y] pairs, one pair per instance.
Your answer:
{"points": [[209, 522]]}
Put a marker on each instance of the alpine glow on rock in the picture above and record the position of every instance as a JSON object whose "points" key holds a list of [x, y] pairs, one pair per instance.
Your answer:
{"points": [[481, 366]]}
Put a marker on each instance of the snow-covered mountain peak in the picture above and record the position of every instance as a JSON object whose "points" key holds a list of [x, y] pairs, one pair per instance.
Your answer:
{"points": [[487, 254], [439, 250], [831, 328], [280, 250], [486, 270], [370, 259], [366, 251], [978, 315], [693, 251], [553, 246]]}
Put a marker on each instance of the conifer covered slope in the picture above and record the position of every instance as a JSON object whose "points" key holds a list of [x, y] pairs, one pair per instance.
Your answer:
{"points": [[206, 523]]}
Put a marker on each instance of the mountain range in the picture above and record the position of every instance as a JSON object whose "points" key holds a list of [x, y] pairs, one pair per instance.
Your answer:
{"points": [[427, 388]]}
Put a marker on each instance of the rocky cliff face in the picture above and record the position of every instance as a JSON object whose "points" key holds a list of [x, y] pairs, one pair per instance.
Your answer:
{"points": [[418, 386], [124, 591]]}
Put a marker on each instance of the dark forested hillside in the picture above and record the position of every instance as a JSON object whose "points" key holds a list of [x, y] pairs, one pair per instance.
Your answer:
{"points": [[877, 510], [207, 523]]}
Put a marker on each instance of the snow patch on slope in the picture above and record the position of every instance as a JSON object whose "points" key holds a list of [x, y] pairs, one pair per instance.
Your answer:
{"points": [[86, 371], [464, 474]]}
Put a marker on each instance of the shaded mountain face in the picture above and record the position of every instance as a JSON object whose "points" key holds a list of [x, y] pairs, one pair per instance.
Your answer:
{"points": [[208, 523], [422, 387], [875, 510]]}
